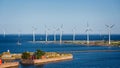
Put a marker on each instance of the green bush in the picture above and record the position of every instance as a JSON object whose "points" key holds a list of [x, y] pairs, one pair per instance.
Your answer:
{"points": [[39, 53], [25, 55]]}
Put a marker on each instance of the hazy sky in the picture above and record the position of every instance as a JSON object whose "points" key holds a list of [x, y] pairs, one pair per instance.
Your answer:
{"points": [[21, 15]]}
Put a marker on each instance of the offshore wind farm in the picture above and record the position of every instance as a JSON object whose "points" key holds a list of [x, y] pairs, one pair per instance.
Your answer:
{"points": [[86, 41], [60, 33]]}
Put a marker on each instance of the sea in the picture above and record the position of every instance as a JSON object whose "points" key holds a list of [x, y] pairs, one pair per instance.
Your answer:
{"points": [[82, 58]]}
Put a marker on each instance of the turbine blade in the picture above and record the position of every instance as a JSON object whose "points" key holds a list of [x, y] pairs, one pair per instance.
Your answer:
{"points": [[107, 25], [86, 30], [112, 26]]}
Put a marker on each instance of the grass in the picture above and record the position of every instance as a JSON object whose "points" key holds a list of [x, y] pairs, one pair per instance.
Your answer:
{"points": [[55, 54], [102, 43]]}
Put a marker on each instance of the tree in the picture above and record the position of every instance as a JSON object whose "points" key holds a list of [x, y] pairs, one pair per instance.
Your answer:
{"points": [[39, 53], [25, 55]]}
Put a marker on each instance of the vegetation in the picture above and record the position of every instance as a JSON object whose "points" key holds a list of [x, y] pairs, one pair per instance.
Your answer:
{"points": [[29, 55], [55, 54], [39, 54], [25, 55], [116, 43]]}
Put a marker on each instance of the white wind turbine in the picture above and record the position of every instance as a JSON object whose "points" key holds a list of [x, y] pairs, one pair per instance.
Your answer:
{"points": [[61, 31], [109, 31], [34, 34], [87, 30], [46, 33]]}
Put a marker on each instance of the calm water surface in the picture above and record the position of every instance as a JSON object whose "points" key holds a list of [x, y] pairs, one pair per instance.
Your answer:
{"points": [[80, 59]]}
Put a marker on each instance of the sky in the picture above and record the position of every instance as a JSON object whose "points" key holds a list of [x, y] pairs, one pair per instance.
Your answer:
{"points": [[21, 15]]}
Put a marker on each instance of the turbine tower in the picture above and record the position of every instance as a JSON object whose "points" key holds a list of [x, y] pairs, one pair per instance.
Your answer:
{"points": [[34, 34], [46, 34], [109, 31], [61, 33], [87, 30]]}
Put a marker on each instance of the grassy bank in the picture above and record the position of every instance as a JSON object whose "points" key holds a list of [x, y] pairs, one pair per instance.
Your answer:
{"points": [[100, 43]]}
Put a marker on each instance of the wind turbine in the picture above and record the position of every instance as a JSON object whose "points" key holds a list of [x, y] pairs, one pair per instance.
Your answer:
{"points": [[74, 34], [46, 33], [61, 33], [34, 34], [109, 31], [87, 30]]}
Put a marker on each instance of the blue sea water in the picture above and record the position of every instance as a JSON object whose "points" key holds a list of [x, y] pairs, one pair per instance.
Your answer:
{"points": [[80, 59]]}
